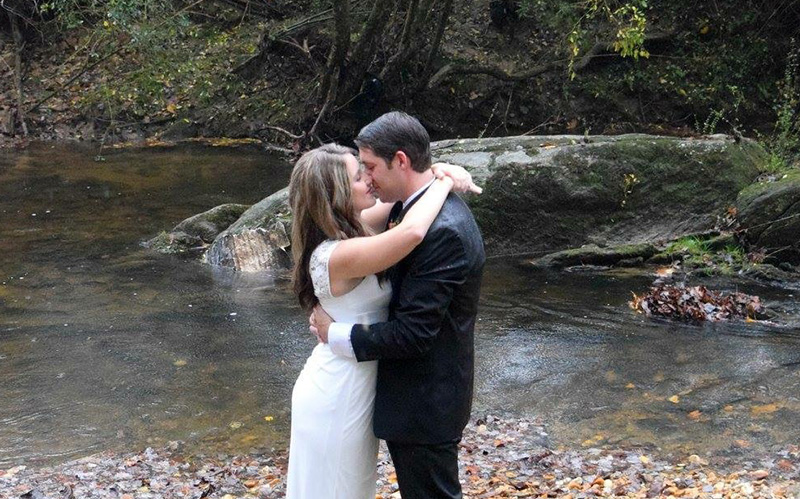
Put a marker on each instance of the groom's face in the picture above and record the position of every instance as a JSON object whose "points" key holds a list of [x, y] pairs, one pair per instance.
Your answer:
{"points": [[385, 177]]}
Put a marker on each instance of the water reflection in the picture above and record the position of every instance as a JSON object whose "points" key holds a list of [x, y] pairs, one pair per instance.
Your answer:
{"points": [[106, 345]]}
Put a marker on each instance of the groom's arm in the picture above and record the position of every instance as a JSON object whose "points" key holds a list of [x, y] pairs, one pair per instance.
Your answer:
{"points": [[438, 266]]}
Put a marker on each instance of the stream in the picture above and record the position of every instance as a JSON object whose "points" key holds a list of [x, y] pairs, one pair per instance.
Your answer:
{"points": [[107, 345]]}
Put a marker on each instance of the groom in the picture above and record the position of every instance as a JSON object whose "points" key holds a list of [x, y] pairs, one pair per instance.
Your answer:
{"points": [[426, 351]]}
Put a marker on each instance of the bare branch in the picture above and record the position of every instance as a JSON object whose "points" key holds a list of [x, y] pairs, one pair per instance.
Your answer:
{"points": [[451, 69], [281, 130], [595, 52]]}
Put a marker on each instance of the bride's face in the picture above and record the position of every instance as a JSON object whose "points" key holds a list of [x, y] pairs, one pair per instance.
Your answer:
{"points": [[363, 196]]}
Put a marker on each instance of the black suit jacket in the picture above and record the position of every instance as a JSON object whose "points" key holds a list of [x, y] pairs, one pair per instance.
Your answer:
{"points": [[426, 349]]}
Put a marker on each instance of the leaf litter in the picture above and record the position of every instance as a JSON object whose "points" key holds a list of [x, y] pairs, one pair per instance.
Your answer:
{"points": [[697, 303], [499, 458]]}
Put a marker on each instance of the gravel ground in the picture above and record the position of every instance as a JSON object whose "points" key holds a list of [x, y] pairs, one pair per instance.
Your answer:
{"points": [[500, 457]]}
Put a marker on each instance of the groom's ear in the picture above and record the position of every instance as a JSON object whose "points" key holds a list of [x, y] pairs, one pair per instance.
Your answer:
{"points": [[402, 160]]}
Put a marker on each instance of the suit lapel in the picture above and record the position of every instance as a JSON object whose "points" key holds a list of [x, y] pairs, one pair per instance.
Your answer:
{"points": [[398, 271], [405, 209]]}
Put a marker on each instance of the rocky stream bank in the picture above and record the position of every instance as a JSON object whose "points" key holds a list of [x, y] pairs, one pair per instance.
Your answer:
{"points": [[500, 457], [703, 205]]}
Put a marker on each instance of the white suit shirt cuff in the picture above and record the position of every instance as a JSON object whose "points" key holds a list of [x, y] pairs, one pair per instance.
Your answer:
{"points": [[339, 339]]}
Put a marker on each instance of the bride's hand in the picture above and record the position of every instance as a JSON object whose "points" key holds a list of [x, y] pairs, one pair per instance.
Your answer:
{"points": [[462, 180]]}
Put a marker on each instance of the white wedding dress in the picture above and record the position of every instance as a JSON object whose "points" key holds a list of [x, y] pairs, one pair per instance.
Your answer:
{"points": [[333, 451]]}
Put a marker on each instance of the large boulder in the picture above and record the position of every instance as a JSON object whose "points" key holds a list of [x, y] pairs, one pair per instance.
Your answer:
{"points": [[549, 193], [259, 240], [768, 213]]}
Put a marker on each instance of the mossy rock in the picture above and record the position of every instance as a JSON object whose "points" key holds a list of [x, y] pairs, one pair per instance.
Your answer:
{"points": [[567, 191], [591, 254], [550, 193], [259, 240], [769, 215], [191, 236]]}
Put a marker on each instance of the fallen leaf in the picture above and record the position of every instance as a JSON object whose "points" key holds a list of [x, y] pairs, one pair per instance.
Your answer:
{"points": [[760, 410]]}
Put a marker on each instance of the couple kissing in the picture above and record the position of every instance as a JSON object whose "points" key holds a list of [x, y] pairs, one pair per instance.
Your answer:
{"points": [[392, 287]]}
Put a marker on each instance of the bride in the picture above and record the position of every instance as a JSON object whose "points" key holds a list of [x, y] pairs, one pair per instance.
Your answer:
{"points": [[341, 252]]}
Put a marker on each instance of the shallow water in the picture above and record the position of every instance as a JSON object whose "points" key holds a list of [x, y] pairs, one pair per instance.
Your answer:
{"points": [[104, 344]]}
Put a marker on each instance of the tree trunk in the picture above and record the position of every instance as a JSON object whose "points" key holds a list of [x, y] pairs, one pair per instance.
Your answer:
{"points": [[413, 38], [403, 47], [411, 15], [19, 45], [365, 49], [341, 44], [447, 9], [334, 69]]}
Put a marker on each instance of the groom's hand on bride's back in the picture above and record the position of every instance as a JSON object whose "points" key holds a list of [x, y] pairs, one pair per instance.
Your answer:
{"points": [[319, 321]]}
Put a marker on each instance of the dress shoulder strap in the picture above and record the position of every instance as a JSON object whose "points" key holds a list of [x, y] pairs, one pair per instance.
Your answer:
{"points": [[318, 268]]}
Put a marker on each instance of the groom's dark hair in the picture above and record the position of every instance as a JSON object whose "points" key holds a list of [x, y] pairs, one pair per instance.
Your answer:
{"points": [[397, 131]]}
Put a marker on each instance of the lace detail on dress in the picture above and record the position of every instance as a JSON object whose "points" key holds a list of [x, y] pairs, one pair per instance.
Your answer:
{"points": [[318, 268]]}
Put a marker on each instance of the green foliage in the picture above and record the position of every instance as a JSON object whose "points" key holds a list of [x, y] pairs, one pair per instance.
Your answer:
{"points": [[714, 68], [157, 60], [784, 145], [631, 23], [727, 114], [584, 21], [124, 15], [705, 256], [187, 71], [735, 253], [692, 246]]}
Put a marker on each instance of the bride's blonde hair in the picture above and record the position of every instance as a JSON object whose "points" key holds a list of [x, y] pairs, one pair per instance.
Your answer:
{"points": [[322, 208]]}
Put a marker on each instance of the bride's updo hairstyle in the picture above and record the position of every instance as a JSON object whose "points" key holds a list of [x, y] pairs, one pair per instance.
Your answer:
{"points": [[322, 208]]}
